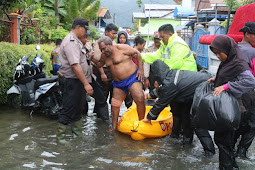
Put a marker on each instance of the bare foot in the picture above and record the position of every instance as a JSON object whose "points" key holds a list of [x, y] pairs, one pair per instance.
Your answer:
{"points": [[111, 130]]}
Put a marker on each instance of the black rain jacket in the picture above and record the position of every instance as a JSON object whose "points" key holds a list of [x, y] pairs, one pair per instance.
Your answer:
{"points": [[175, 85]]}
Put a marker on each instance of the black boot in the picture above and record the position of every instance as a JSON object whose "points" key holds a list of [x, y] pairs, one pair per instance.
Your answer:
{"points": [[187, 139], [241, 152], [174, 135], [102, 112]]}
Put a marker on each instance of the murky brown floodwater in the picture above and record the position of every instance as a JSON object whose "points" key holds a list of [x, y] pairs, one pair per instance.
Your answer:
{"points": [[29, 142]]}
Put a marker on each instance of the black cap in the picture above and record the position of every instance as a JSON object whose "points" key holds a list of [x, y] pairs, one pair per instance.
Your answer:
{"points": [[82, 22], [248, 27]]}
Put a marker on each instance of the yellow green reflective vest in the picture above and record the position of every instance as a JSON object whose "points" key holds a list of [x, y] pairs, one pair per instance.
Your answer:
{"points": [[176, 54]]}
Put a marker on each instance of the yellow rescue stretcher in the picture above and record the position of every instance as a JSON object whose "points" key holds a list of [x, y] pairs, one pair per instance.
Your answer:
{"points": [[138, 130]]}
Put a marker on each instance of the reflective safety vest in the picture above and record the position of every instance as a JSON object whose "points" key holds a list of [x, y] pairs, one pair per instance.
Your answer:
{"points": [[176, 54]]}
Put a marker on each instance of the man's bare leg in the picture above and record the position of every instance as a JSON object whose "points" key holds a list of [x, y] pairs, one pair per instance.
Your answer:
{"points": [[136, 91], [117, 99]]}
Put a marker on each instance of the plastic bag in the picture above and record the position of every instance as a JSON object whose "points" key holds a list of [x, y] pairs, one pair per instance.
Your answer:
{"points": [[217, 113]]}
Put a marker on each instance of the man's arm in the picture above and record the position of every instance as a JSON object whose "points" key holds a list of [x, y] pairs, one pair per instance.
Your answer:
{"points": [[79, 73], [166, 95], [151, 57]]}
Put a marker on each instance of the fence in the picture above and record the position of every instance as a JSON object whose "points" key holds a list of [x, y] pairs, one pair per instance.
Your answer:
{"points": [[5, 30]]}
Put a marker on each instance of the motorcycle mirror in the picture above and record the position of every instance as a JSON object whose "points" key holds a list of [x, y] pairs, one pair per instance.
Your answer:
{"points": [[38, 47]]}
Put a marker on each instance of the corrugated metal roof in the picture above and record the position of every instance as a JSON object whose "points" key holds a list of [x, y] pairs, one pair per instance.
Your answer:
{"points": [[139, 15], [104, 13], [159, 6], [206, 4], [159, 14]]}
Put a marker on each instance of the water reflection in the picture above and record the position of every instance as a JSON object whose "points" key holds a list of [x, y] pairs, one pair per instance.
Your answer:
{"points": [[29, 142]]}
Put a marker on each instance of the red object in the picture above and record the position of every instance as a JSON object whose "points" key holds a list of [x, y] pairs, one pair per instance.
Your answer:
{"points": [[243, 14], [135, 61]]}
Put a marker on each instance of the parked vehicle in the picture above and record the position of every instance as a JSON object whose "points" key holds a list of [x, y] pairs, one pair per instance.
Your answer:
{"points": [[32, 89]]}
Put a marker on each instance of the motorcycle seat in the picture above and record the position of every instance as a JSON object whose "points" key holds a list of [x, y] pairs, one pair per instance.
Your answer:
{"points": [[42, 81], [40, 75], [24, 80]]}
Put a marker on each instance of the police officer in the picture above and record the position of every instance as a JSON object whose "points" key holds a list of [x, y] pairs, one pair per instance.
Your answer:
{"points": [[77, 77]]}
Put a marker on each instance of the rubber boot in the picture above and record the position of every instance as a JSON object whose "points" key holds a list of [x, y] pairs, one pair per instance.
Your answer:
{"points": [[61, 133], [76, 129], [206, 141], [102, 112], [176, 128], [241, 152]]}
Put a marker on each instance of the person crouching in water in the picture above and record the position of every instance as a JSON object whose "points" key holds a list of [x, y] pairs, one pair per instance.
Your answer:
{"points": [[126, 75], [234, 76], [176, 86]]}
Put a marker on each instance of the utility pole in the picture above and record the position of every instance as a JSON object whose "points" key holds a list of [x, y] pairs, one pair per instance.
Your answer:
{"points": [[114, 18], [148, 38]]}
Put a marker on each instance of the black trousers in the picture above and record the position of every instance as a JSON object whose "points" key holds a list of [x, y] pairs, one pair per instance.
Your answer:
{"points": [[74, 96], [224, 140], [205, 139], [73, 93], [182, 119], [106, 86], [247, 126]]}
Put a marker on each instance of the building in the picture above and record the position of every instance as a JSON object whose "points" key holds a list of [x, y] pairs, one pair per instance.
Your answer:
{"points": [[153, 16]]}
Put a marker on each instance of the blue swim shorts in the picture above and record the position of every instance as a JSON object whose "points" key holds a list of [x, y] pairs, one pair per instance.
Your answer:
{"points": [[125, 84]]}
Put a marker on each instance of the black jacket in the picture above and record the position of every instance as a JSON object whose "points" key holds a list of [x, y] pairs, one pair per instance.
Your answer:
{"points": [[175, 85]]}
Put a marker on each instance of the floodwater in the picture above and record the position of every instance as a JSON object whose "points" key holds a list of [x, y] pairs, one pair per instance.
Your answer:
{"points": [[29, 142]]}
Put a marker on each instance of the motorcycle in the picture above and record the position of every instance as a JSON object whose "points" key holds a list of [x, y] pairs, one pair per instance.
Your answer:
{"points": [[32, 88]]}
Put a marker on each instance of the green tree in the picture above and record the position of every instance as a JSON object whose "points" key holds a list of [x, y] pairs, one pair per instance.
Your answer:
{"points": [[55, 8], [82, 8], [90, 11], [6, 4], [234, 4], [27, 7], [139, 3]]}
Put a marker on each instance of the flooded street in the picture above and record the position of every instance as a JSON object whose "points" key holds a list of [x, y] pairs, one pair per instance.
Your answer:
{"points": [[29, 142]]}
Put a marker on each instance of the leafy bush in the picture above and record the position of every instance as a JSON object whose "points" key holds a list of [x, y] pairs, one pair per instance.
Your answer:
{"points": [[9, 56], [27, 35], [55, 34]]}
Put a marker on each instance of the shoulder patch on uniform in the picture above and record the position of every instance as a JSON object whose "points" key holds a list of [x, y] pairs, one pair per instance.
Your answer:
{"points": [[71, 38]]}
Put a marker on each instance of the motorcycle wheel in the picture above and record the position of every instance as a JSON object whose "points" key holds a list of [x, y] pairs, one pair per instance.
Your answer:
{"points": [[15, 101]]}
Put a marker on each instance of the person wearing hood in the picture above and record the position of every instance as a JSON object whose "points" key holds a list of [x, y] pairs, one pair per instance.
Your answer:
{"points": [[175, 86], [123, 38], [235, 77]]}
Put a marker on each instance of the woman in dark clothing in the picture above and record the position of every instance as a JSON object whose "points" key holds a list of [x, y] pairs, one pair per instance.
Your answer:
{"points": [[234, 76], [123, 38]]}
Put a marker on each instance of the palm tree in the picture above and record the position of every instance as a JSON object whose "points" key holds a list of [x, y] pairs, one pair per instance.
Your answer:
{"points": [[55, 8]]}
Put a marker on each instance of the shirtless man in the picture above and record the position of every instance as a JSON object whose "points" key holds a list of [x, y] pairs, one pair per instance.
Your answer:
{"points": [[126, 75]]}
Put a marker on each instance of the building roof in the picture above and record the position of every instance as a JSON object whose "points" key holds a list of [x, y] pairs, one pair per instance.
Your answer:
{"points": [[160, 14], [165, 11], [206, 4], [160, 6], [104, 13], [139, 15]]}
